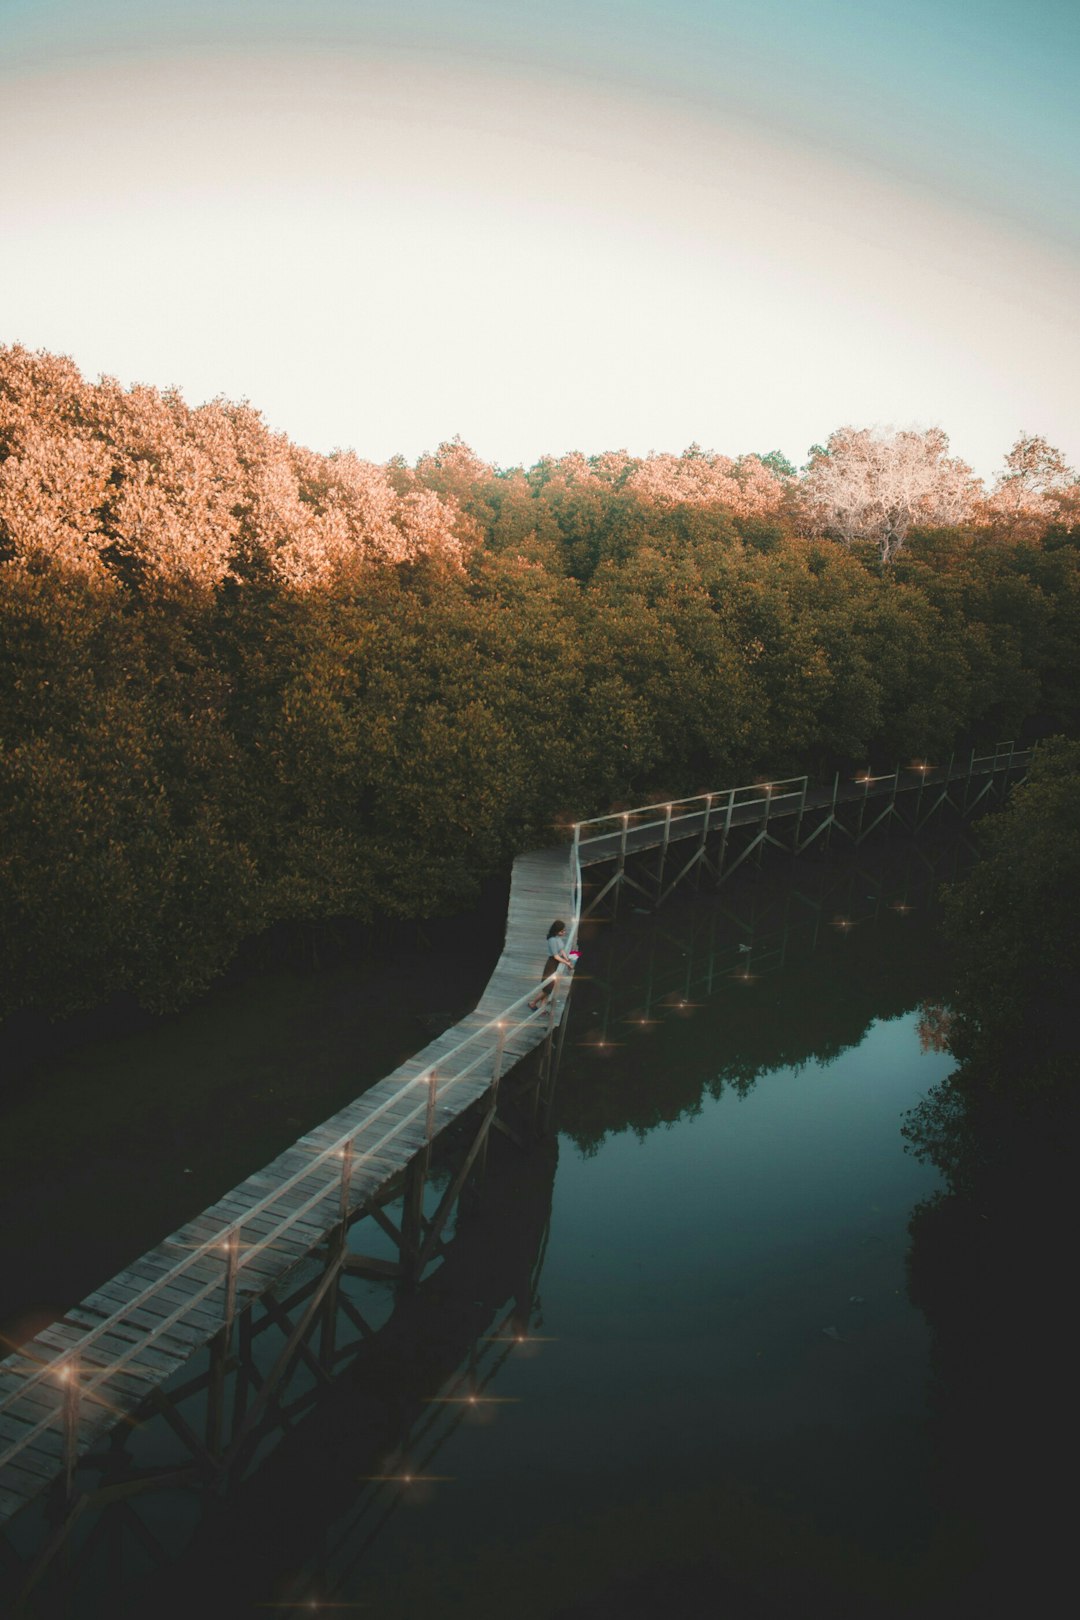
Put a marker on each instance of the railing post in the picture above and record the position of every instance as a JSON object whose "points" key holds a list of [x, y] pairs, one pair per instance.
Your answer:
{"points": [[429, 1116], [862, 808], [346, 1182], [699, 859], [219, 1348], [832, 810], [763, 836], [728, 813], [335, 1252], [622, 863], [72, 1401], [496, 1075], [663, 855], [500, 1048], [799, 817], [232, 1266]]}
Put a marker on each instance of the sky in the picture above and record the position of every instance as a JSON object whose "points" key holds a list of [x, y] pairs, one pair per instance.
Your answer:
{"points": [[591, 224]]}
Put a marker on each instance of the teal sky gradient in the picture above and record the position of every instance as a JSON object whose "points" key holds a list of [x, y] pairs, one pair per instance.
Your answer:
{"points": [[976, 98], [802, 126]]}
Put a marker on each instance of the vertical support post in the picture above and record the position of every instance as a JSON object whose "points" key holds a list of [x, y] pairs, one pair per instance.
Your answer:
{"points": [[245, 1362], [347, 1154], [544, 1067], [72, 1401], [967, 781], [429, 1115], [699, 861], [480, 1168], [554, 1066], [797, 844], [335, 1248], [232, 1267], [832, 810], [663, 855], [412, 1214], [862, 809], [497, 1064], [219, 1347], [728, 813], [622, 864], [762, 837]]}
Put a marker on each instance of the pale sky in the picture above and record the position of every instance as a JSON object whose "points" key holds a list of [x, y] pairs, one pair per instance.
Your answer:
{"points": [[599, 225]]}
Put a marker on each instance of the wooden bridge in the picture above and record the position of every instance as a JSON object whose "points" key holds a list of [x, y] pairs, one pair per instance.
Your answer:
{"points": [[204, 1295], [788, 814]]}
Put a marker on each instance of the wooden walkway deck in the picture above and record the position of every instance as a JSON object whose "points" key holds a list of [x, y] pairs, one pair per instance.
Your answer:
{"points": [[106, 1357]]}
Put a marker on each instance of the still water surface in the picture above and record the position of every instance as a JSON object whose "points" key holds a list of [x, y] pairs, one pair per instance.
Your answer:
{"points": [[728, 1400], [720, 1401]]}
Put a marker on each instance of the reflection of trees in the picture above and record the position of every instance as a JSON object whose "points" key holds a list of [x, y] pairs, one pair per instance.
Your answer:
{"points": [[990, 1258], [726, 1015]]}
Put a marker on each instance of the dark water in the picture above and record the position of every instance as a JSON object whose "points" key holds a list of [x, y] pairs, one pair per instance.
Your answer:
{"points": [[718, 1400], [726, 1405], [108, 1147]]}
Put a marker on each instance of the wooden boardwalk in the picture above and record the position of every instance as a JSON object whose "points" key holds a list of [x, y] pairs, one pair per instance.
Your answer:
{"points": [[105, 1358], [854, 808], [108, 1358]]}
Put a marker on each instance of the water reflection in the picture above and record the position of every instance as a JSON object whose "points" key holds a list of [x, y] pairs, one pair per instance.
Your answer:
{"points": [[685, 1359], [780, 971], [367, 1449]]}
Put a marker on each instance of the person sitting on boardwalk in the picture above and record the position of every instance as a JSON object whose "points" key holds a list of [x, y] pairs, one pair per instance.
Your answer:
{"points": [[556, 945]]}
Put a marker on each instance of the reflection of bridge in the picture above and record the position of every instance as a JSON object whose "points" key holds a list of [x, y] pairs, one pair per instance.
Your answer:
{"points": [[750, 936], [220, 1319], [254, 1286], [352, 1435]]}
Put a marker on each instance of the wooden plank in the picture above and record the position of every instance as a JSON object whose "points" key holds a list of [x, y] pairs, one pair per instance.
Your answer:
{"points": [[20, 1484], [153, 1321], [104, 1349], [48, 1443]]}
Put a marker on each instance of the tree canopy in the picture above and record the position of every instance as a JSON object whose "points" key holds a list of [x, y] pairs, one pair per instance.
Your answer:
{"points": [[247, 685]]}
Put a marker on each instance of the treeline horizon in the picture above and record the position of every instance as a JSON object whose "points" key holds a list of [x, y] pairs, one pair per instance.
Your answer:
{"points": [[245, 685]]}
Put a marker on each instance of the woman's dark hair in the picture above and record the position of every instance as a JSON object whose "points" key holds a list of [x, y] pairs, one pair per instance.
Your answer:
{"points": [[557, 927]]}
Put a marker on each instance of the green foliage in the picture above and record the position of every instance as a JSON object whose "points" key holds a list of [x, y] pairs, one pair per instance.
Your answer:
{"points": [[991, 1255], [1015, 928], [245, 685]]}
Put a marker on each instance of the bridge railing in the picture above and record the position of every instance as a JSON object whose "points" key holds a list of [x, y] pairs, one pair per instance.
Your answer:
{"points": [[63, 1383], [327, 1177], [666, 815]]}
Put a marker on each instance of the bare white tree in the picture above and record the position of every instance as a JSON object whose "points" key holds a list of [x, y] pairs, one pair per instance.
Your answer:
{"points": [[871, 485], [1036, 487]]}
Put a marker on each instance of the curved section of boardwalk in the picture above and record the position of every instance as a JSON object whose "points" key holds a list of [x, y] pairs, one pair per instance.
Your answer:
{"points": [[108, 1355], [112, 1353]]}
